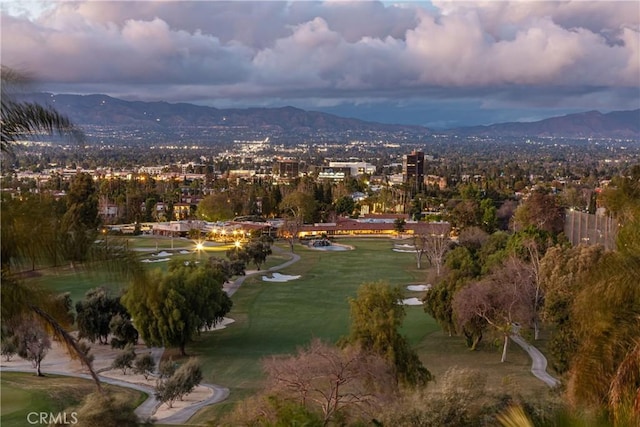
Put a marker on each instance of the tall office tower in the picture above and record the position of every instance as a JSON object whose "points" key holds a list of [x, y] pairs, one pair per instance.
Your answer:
{"points": [[413, 170]]}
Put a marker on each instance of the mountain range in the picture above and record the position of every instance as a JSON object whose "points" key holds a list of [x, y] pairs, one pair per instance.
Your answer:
{"points": [[103, 111]]}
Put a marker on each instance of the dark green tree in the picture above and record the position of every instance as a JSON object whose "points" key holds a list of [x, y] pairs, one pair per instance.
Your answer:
{"points": [[80, 221], [258, 251], [122, 330], [171, 308], [94, 314], [345, 205]]}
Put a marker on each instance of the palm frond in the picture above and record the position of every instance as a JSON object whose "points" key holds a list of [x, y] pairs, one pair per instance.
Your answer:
{"points": [[69, 341]]}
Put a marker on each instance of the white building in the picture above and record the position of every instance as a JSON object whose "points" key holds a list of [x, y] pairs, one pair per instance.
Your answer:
{"points": [[357, 168]]}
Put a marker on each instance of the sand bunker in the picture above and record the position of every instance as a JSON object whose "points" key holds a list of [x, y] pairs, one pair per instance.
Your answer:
{"points": [[155, 260], [410, 301], [163, 254], [277, 277], [405, 251], [404, 245], [221, 325], [183, 252], [419, 288]]}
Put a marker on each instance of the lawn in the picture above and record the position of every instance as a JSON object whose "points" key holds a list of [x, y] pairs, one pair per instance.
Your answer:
{"points": [[24, 393], [274, 318]]}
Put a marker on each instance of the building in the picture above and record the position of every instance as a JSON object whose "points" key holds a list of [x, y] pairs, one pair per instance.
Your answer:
{"points": [[333, 173], [288, 169], [413, 170], [357, 168]]}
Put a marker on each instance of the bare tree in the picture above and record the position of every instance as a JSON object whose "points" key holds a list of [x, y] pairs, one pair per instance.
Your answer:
{"points": [[502, 299], [431, 240], [331, 379], [534, 266]]}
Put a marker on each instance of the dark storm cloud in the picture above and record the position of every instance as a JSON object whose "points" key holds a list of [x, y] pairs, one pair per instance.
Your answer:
{"points": [[570, 54]]}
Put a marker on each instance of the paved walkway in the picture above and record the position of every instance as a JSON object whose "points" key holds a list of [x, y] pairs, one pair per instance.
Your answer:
{"points": [[232, 287], [539, 362], [147, 408]]}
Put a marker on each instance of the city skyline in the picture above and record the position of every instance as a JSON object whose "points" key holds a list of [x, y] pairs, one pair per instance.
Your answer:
{"points": [[437, 64]]}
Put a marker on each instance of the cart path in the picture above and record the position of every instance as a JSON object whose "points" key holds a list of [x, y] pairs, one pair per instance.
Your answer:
{"points": [[539, 362], [232, 287], [147, 408]]}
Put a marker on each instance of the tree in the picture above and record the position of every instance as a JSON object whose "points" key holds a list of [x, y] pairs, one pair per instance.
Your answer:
{"points": [[182, 382], [301, 206], [125, 359], [563, 274], [399, 225], [432, 240], [502, 299], [33, 342], [345, 205], [216, 207], [227, 269], [95, 313], [123, 331], [80, 221], [542, 211], [257, 251], [144, 365], [179, 304], [332, 381], [489, 222], [289, 230], [9, 346], [376, 317]]}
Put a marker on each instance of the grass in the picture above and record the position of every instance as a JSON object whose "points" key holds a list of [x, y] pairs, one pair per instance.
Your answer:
{"points": [[275, 318], [23, 393]]}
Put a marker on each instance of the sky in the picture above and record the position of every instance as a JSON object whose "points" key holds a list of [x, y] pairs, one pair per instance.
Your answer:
{"points": [[439, 64]]}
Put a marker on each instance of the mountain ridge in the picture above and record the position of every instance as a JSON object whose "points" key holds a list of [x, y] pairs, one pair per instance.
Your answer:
{"points": [[106, 111]]}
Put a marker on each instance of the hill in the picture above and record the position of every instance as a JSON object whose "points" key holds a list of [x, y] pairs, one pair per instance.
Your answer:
{"points": [[103, 110], [187, 122], [617, 124]]}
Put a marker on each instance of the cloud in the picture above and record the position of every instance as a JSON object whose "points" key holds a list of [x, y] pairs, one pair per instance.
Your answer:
{"points": [[331, 51]]}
